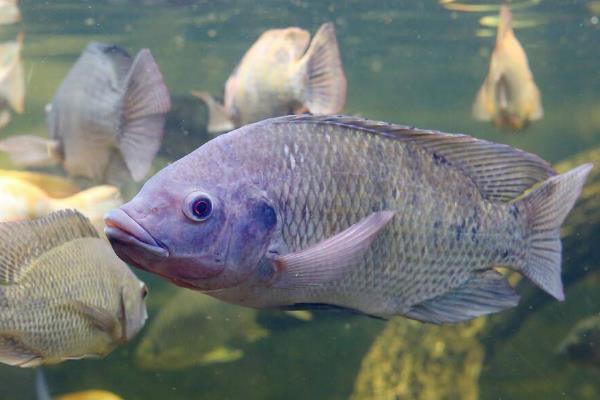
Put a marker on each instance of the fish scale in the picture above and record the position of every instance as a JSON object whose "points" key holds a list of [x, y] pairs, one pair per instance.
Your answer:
{"points": [[338, 199]]}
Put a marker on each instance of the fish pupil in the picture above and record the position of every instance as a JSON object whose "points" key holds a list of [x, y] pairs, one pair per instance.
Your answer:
{"points": [[202, 207]]}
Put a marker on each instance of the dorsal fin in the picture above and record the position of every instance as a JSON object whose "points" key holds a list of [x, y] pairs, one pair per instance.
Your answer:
{"points": [[500, 172], [23, 241]]}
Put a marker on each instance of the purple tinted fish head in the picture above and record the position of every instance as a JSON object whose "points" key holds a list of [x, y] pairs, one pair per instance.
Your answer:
{"points": [[200, 232]]}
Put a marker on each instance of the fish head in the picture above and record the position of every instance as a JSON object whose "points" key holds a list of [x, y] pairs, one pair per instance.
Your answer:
{"points": [[133, 306], [202, 233]]}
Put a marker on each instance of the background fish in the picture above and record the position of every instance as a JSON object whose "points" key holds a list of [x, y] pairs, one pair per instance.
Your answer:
{"points": [[509, 97], [107, 115], [20, 199], [356, 214], [43, 392], [12, 83], [193, 329], [53, 185], [64, 294], [582, 344], [278, 75], [9, 12]]}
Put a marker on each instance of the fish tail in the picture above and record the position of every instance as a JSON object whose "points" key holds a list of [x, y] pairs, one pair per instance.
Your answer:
{"points": [[218, 119], [546, 208], [146, 101], [321, 68]]}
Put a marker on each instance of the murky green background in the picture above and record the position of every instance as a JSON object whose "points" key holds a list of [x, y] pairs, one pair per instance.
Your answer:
{"points": [[410, 62]]}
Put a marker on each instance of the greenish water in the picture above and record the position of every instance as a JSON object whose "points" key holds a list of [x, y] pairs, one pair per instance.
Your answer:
{"points": [[409, 62]]}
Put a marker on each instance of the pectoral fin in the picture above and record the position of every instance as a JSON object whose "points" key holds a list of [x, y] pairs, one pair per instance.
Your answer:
{"points": [[218, 119], [331, 258], [100, 318], [31, 151]]}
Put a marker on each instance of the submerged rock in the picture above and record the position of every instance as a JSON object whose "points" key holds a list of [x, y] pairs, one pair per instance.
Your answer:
{"points": [[413, 361]]}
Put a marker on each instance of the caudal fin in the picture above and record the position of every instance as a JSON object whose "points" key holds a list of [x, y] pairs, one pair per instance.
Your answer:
{"points": [[146, 101], [218, 119], [325, 87], [547, 207]]}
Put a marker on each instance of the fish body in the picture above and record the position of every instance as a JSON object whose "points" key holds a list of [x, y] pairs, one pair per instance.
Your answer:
{"points": [[279, 75], [193, 329], [12, 83], [22, 199], [302, 212], [107, 115], [509, 96], [64, 294], [582, 344]]}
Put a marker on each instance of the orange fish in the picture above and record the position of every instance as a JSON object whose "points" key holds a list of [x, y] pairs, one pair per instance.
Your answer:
{"points": [[509, 97], [282, 74]]}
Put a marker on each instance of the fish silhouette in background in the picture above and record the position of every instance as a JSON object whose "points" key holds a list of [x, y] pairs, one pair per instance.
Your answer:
{"points": [[12, 83], [64, 294], [302, 212], [509, 96], [581, 346], [22, 199], [282, 74], [107, 116], [193, 329]]}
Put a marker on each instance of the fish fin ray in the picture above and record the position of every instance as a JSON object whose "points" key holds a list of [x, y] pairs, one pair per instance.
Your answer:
{"points": [[325, 91], [24, 241], [330, 258], [487, 164], [146, 101], [546, 208], [218, 119], [31, 151], [485, 293]]}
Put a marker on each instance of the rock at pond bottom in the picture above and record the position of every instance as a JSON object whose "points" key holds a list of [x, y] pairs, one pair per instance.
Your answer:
{"points": [[413, 361]]}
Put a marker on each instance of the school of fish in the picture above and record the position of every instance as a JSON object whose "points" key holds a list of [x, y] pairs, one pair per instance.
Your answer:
{"points": [[296, 207]]}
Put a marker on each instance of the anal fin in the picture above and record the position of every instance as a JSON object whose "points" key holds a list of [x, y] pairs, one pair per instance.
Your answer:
{"points": [[218, 118], [485, 293]]}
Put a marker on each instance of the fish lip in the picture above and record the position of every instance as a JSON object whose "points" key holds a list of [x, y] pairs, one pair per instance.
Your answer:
{"points": [[120, 227]]}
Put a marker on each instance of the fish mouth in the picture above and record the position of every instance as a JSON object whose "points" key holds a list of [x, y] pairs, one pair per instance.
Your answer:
{"points": [[124, 230]]}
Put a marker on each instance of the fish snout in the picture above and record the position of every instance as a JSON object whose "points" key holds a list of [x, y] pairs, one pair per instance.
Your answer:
{"points": [[122, 230]]}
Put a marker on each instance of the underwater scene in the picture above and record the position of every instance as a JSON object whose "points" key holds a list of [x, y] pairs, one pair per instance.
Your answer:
{"points": [[299, 199]]}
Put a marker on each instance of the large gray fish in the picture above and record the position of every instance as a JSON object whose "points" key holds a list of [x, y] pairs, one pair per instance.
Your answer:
{"points": [[63, 292], [297, 212], [282, 74], [110, 108]]}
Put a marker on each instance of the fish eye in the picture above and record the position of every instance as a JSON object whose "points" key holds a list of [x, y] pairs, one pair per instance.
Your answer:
{"points": [[198, 206]]}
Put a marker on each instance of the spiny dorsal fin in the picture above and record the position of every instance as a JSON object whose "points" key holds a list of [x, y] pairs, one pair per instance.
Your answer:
{"points": [[500, 172], [24, 241]]}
